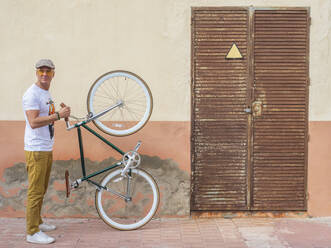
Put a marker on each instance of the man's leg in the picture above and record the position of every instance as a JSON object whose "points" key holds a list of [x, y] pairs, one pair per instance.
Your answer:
{"points": [[47, 175], [36, 164]]}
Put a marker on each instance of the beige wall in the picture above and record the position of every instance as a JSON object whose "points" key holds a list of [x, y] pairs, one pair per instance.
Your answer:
{"points": [[87, 38]]}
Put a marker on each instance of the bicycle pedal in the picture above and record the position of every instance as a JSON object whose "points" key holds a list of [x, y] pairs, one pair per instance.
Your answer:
{"points": [[68, 189], [75, 184]]}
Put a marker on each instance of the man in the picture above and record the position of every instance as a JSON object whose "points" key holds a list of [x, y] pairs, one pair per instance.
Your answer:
{"points": [[40, 116]]}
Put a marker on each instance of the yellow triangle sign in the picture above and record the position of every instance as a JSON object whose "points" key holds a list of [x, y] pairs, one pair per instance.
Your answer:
{"points": [[234, 53]]}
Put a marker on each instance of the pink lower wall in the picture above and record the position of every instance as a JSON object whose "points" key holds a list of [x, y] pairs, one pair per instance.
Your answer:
{"points": [[162, 139], [319, 168], [166, 141]]}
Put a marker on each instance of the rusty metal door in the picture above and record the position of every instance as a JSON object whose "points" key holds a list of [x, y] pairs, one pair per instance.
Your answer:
{"points": [[281, 79], [220, 95], [249, 109]]}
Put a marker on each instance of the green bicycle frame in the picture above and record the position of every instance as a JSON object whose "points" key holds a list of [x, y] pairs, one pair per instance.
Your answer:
{"points": [[82, 158]]}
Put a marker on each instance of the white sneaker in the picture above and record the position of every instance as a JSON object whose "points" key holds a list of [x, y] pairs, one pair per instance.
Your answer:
{"points": [[46, 227], [39, 238]]}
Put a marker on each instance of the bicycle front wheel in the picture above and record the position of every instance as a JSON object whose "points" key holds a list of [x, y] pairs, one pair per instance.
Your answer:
{"points": [[129, 202], [133, 94]]}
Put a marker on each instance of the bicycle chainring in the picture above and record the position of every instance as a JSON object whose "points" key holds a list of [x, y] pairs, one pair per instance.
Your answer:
{"points": [[133, 158]]}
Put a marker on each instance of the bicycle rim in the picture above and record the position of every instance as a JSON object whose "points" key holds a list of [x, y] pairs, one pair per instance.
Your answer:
{"points": [[127, 215], [125, 87]]}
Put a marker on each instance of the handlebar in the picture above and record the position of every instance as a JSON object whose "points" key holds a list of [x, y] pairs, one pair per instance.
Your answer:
{"points": [[69, 127]]}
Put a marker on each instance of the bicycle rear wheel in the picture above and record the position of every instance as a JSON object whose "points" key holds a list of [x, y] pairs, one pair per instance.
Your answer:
{"points": [[127, 88], [137, 209]]}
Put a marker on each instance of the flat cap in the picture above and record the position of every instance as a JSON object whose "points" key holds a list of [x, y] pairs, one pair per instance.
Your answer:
{"points": [[45, 62]]}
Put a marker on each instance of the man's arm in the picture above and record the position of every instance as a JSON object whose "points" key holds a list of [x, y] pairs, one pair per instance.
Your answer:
{"points": [[37, 121]]}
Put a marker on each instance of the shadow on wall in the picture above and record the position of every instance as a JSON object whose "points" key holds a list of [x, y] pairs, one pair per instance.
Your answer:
{"points": [[174, 185]]}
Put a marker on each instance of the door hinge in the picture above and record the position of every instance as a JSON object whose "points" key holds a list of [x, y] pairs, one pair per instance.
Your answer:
{"points": [[309, 82], [309, 21], [308, 137], [307, 196]]}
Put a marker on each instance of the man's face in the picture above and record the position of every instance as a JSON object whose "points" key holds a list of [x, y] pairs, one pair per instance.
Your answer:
{"points": [[45, 76]]}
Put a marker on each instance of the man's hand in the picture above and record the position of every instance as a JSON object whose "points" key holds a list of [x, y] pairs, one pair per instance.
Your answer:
{"points": [[37, 121], [64, 111]]}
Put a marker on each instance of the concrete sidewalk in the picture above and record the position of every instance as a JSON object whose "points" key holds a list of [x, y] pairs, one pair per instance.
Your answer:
{"points": [[162, 233]]}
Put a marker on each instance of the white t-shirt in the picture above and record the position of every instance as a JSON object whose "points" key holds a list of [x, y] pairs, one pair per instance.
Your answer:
{"points": [[38, 139]]}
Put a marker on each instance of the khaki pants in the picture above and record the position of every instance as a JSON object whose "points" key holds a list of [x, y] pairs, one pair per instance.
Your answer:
{"points": [[38, 166]]}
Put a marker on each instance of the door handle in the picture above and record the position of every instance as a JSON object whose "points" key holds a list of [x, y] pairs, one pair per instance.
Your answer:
{"points": [[257, 108]]}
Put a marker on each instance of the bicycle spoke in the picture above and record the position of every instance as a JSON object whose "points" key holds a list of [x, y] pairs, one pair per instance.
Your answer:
{"points": [[121, 111], [135, 112], [135, 102], [126, 87], [105, 97], [113, 113], [133, 89], [133, 115], [132, 96], [136, 107], [115, 89], [106, 90]]}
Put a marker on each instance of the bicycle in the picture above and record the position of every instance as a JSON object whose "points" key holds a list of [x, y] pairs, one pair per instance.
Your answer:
{"points": [[119, 103]]}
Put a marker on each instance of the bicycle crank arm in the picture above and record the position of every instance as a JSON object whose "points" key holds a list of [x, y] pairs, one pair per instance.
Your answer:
{"points": [[128, 163], [137, 146]]}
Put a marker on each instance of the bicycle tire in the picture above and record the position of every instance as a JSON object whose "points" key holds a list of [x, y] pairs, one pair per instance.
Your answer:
{"points": [[132, 91], [127, 215]]}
